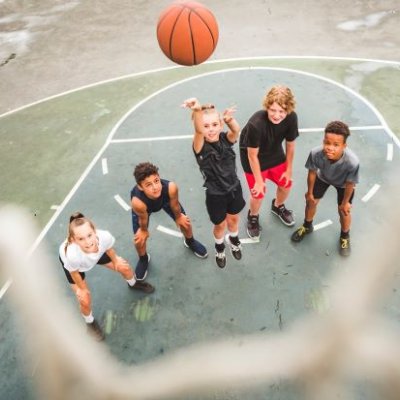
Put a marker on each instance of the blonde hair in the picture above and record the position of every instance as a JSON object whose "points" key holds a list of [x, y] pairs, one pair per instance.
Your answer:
{"points": [[76, 219], [281, 95]]}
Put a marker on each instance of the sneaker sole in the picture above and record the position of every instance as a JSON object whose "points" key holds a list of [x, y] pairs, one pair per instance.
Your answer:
{"points": [[252, 237], [282, 220]]}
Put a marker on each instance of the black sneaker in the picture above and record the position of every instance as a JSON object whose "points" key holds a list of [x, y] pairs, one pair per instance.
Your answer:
{"points": [[198, 249], [142, 286], [220, 257], [141, 269], [300, 232], [344, 247], [285, 215], [253, 226], [235, 246], [95, 331]]}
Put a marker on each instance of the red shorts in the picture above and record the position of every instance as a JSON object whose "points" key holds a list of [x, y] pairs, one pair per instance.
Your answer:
{"points": [[273, 174]]}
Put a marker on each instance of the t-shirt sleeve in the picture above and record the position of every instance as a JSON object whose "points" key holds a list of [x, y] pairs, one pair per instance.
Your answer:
{"points": [[253, 136], [310, 163], [352, 176], [293, 130], [107, 240], [72, 261]]}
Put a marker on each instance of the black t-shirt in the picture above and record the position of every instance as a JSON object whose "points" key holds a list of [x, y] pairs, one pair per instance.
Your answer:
{"points": [[268, 137], [217, 165]]}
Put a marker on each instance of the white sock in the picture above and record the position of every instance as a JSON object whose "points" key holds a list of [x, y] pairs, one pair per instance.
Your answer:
{"points": [[233, 234], [132, 281], [88, 318], [219, 241]]}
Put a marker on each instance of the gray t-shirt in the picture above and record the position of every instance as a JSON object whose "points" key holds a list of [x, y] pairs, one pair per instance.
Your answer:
{"points": [[338, 173]]}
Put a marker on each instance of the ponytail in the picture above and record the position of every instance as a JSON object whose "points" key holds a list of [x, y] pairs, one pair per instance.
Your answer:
{"points": [[76, 219]]}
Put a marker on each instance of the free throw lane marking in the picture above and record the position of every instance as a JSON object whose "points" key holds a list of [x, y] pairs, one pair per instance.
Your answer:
{"points": [[122, 202], [104, 166], [371, 193], [323, 224], [168, 231], [389, 154]]}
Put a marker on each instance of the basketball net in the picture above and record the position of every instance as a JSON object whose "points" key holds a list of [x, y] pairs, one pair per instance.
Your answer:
{"points": [[350, 342]]}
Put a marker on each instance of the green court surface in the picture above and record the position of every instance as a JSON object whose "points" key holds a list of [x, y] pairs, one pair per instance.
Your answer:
{"points": [[79, 151]]}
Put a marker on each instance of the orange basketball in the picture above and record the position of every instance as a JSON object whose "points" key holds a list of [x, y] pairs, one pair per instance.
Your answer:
{"points": [[187, 32]]}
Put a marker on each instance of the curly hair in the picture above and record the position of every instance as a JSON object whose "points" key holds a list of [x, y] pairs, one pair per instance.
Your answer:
{"points": [[281, 95], [144, 170], [338, 128]]}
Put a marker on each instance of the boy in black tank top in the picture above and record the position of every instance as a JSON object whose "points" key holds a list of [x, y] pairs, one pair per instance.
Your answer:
{"points": [[151, 194], [216, 159]]}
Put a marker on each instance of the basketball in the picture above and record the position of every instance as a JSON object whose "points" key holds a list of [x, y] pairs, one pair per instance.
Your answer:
{"points": [[187, 32]]}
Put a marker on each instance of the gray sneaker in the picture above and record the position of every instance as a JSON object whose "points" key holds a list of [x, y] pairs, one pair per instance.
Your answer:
{"points": [[285, 215], [253, 226]]}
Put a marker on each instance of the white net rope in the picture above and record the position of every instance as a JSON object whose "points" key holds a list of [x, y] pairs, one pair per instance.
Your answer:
{"points": [[351, 341]]}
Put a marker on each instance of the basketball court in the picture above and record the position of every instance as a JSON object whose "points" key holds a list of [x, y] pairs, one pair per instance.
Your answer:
{"points": [[275, 283], [87, 94]]}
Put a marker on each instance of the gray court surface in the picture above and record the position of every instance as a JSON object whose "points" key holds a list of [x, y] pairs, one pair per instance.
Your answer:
{"points": [[274, 284]]}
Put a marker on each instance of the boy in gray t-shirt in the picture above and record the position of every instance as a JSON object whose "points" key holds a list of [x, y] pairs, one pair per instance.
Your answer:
{"points": [[331, 164]]}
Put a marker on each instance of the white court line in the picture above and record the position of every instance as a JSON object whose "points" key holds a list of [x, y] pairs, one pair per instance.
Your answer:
{"points": [[152, 139], [173, 232], [168, 231], [322, 225], [221, 61], [371, 193], [5, 288], [389, 156], [168, 87], [122, 202], [104, 166], [180, 137], [250, 240]]}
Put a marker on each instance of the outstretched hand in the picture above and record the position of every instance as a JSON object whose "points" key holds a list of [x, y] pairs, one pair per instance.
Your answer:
{"points": [[229, 112], [191, 103]]}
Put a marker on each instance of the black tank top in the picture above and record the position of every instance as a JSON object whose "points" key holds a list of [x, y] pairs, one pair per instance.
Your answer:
{"points": [[153, 205], [217, 165]]}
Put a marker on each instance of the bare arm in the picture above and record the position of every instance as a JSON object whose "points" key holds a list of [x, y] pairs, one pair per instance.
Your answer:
{"points": [[287, 175], [140, 210], [76, 277], [259, 186], [311, 177], [230, 121], [198, 138], [345, 206], [181, 219]]}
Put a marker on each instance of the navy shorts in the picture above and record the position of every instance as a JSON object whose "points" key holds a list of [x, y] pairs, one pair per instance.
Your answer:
{"points": [[320, 187], [220, 205], [166, 207], [104, 259]]}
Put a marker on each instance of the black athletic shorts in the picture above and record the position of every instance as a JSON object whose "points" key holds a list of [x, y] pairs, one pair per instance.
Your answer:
{"points": [[104, 259], [220, 205], [320, 187]]}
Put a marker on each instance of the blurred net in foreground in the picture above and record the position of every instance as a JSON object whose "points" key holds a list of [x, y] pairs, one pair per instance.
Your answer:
{"points": [[351, 342]]}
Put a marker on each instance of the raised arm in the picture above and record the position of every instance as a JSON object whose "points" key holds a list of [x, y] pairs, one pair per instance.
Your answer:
{"points": [[233, 126], [198, 138]]}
